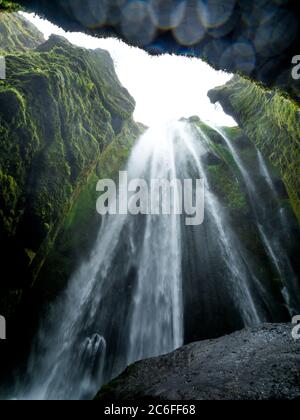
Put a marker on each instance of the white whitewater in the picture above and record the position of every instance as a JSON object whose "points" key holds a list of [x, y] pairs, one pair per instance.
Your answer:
{"points": [[125, 302], [230, 246], [90, 335], [265, 173]]}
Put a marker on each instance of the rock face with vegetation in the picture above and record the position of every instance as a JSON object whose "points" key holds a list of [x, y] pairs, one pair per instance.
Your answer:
{"points": [[17, 34], [271, 120], [240, 214], [66, 121], [61, 109], [254, 364]]}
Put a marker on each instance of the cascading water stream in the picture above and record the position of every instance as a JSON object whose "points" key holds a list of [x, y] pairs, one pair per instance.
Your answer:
{"points": [[290, 281], [159, 286], [127, 301], [271, 239], [240, 277], [124, 303], [285, 224], [265, 173]]}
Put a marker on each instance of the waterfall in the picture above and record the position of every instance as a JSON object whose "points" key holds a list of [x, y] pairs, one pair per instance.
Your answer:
{"points": [[265, 173], [274, 238], [284, 219], [241, 280], [125, 302], [147, 278]]}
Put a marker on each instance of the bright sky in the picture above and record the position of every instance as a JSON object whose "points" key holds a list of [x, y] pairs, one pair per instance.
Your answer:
{"points": [[164, 88]]}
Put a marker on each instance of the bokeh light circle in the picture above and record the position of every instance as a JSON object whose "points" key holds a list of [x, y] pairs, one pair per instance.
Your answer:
{"points": [[92, 13], [215, 13], [167, 14], [136, 23], [239, 56], [190, 30]]}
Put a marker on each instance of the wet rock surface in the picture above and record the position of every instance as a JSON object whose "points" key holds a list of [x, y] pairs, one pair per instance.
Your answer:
{"points": [[236, 35], [257, 364]]}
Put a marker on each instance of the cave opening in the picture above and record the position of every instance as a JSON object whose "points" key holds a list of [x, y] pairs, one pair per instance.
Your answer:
{"points": [[71, 114]]}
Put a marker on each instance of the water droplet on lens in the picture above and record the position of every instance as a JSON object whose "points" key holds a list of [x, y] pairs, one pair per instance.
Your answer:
{"points": [[190, 31], [272, 36], [92, 13], [114, 13], [136, 25], [239, 56], [167, 14], [215, 13]]}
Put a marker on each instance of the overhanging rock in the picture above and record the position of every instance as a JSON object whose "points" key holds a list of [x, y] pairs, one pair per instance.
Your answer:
{"points": [[258, 39]]}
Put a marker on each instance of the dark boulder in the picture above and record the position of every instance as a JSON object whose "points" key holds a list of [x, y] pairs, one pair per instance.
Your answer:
{"points": [[254, 364]]}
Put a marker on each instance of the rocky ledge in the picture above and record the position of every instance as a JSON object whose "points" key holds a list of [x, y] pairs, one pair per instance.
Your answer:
{"points": [[254, 364]]}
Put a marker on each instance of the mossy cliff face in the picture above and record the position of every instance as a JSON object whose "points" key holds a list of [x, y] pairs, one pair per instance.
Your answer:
{"points": [[9, 6], [60, 108], [227, 181], [81, 225], [270, 120], [17, 34]]}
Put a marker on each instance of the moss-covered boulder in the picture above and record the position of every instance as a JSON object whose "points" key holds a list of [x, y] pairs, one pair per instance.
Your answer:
{"points": [[270, 120], [60, 108]]}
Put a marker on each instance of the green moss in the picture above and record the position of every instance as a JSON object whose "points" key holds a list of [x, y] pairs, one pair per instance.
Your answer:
{"points": [[227, 188], [63, 125], [116, 154], [60, 108], [211, 134], [9, 6], [16, 33], [82, 222], [272, 122], [227, 183], [223, 174]]}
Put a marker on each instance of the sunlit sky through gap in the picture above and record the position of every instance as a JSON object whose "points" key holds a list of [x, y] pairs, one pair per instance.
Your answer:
{"points": [[165, 88]]}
